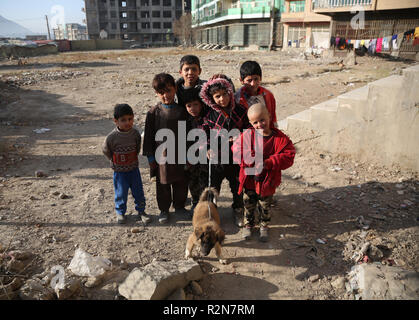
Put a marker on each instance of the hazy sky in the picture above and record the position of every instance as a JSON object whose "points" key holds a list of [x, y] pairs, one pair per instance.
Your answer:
{"points": [[31, 13]]}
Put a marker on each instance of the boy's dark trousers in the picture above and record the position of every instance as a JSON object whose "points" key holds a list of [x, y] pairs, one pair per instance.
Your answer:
{"points": [[197, 180], [175, 193], [123, 181], [231, 173]]}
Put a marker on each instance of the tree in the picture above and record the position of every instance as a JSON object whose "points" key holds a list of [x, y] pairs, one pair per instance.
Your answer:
{"points": [[182, 29]]}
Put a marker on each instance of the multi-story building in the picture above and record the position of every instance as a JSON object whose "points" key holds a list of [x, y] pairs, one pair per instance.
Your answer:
{"points": [[237, 23], [147, 21], [303, 27], [71, 31], [372, 19]]}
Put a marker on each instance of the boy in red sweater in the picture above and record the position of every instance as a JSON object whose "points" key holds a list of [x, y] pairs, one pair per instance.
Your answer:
{"points": [[278, 154], [252, 92]]}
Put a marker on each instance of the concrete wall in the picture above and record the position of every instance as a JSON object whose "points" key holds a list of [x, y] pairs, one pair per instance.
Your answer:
{"points": [[396, 4], [6, 52], [108, 44], [83, 45]]}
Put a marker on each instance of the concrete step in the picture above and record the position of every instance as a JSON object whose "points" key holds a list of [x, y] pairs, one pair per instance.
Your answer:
{"points": [[353, 106], [323, 115], [384, 96], [299, 120], [282, 124]]}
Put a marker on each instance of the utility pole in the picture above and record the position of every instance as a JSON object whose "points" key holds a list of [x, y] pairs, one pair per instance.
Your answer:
{"points": [[49, 33], [271, 33]]}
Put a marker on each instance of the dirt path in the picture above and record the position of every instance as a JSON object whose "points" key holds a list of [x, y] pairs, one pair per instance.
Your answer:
{"points": [[314, 228]]}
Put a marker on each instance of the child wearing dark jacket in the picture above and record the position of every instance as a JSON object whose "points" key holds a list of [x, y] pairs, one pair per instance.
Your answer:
{"points": [[223, 116]]}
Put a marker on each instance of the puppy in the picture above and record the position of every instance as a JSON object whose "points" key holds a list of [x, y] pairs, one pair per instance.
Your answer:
{"points": [[206, 225]]}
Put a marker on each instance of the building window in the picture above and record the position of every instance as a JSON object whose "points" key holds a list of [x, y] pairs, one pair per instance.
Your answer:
{"points": [[124, 14], [145, 14], [167, 14], [125, 26], [167, 25], [145, 25], [113, 14], [124, 4], [145, 3], [112, 3], [155, 2], [167, 3], [156, 25], [113, 26], [125, 36], [155, 14]]}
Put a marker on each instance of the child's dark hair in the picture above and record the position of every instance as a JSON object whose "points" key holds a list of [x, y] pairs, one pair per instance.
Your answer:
{"points": [[121, 110], [189, 59], [250, 68], [216, 87], [192, 95], [162, 81]]}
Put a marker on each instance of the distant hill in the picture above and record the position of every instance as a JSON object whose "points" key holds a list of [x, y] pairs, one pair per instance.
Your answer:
{"points": [[12, 29]]}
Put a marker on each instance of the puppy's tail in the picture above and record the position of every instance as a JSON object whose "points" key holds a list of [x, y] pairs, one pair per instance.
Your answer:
{"points": [[209, 194]]}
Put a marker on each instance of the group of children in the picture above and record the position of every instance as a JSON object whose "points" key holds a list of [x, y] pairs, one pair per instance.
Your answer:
{"points": [[214, 107]]}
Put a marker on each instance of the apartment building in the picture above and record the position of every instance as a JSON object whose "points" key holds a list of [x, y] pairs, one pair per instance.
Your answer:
{"points": [[146, 21], [303, 27], [237, 23], [379, 19]]}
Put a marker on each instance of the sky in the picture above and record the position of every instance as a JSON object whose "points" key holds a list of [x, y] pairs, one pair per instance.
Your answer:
{"points": [[31, 13]]}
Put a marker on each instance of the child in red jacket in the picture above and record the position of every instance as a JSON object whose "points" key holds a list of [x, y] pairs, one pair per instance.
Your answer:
{"points": [[259, 180]]}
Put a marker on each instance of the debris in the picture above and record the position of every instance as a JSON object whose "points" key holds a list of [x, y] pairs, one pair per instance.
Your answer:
{"points": [[84, 264], [297, 176], [314, 278], [339, 283], [335, 169], [42, 130], [40, 174], [159, 279], [136, 230], [63, 196], [321, 241]]}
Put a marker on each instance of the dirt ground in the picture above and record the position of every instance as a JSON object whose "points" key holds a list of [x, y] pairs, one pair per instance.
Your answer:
{"points": [[327, 206]]}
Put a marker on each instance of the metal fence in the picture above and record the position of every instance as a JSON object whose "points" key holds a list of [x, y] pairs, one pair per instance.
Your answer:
{"points": [[326, 4]]}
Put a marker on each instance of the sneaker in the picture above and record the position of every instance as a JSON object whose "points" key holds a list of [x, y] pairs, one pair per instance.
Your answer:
{"points": [[121, 219], [246, 232], [238, 217], [163, 217], [144, 217], [263, 234]]}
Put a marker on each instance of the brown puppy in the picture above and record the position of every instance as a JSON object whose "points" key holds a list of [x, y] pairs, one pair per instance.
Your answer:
{"points": [[206, 225]]}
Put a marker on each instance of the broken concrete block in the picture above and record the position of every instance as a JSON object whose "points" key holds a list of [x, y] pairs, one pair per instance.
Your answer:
{"points": [[69, 289], [378, 282], [85, 265], [159, 279]]}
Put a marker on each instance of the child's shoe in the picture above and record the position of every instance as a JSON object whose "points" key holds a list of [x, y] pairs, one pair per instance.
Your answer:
{"points": [[144, 217], [120, 218], [247, 232], [163, 217], [263, 233]]}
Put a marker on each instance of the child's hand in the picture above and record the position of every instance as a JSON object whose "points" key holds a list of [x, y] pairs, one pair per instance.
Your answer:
{"points": [[210, 154]]}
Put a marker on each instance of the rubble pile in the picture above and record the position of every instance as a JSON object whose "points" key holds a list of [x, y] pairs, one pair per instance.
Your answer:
{"points": [[31, 78]]}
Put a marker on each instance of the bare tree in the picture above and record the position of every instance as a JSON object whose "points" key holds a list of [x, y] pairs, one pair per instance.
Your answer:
{"points": [[182, 29]]}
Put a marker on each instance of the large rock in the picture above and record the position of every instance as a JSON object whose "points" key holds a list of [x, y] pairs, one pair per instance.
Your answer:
{"points": [[378, 282], [159, 279]]}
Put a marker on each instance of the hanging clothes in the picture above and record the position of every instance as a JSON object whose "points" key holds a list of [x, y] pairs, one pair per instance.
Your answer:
{"points": [[357, 43], [332, 42], [394, 42], [367, 43], [372, 47], [386, 43], [416, 37], [400, 38], [379, 45], [362, 43]]}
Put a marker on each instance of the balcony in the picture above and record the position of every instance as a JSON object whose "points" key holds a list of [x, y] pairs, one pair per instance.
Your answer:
{"points": [[336, 4]]}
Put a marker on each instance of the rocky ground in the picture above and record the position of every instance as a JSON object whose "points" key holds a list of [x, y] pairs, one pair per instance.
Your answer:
{"points": [[56, 192]]}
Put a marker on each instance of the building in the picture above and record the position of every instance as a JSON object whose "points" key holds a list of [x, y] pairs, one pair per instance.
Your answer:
{"points": [[379, 19], [146, 21], [237, 23], [303, 27], [71, 31]]}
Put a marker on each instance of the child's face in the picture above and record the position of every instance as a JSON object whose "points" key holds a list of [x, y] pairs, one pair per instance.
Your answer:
{"points": [[168, 95], [194, 108], [260, 120], [125, 123], [221, 98], [190, 73], [252, 83]]}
